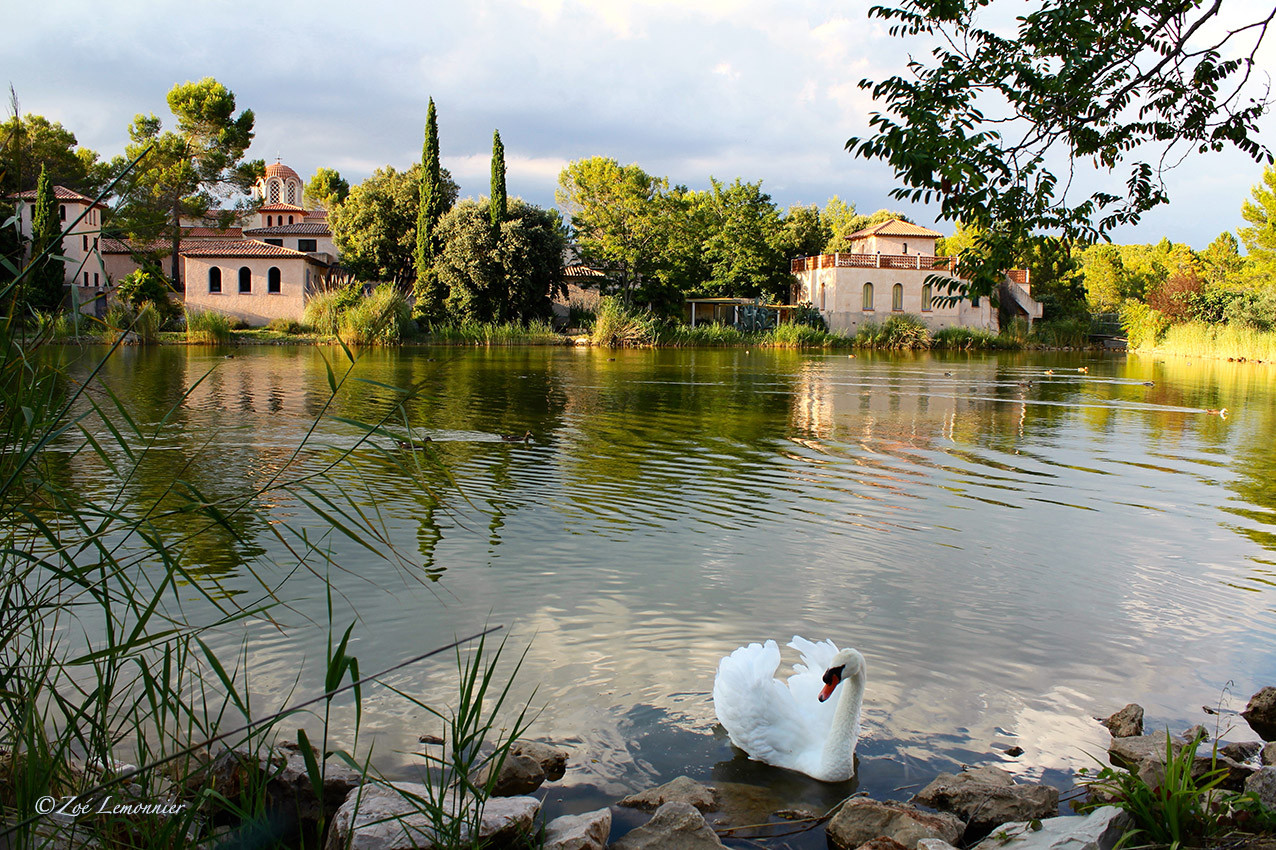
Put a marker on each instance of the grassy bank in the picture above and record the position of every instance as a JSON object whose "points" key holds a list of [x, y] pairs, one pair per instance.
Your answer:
{"points": [[1214, 341], [494, 333]]}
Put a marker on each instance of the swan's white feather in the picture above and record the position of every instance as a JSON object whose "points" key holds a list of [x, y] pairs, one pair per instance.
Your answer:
{"points": [[779, 723]]}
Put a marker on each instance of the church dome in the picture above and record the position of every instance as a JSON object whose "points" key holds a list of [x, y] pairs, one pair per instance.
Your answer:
{"points": [[279, 185], [278, 169]]}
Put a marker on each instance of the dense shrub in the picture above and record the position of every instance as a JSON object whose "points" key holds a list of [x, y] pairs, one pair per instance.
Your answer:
{"points": [[1256, 310], [383, 318], [1144, 327], [1176, 296], [1062, 333], [616, 325], [207, 326], [899, 331], [147, 284], [287, 326]]}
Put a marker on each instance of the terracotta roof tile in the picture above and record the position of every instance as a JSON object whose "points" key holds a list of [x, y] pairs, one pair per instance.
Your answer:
{"points": [[282, 208], [112, 245], [278, 169], [243, 248], [61, 193], [895, 227], [304, 228]]}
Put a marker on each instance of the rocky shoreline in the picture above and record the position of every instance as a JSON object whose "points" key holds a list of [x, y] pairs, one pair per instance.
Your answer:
{"points": [[980, 807]]}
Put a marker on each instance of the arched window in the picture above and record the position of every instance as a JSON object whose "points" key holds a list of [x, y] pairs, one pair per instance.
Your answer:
{"points": [[290, 219], [214, 279], [926, 298], [868, 297], [272, 279], [274, 191], [270, 221], [905, 247], [897, 297], [245, 279], [292, 193]]}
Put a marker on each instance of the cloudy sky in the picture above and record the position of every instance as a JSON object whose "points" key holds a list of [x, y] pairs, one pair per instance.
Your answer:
{"points": [[757, 89]]}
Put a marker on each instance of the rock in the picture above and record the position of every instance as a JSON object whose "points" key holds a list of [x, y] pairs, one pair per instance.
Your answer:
{"points": [[861, 819], [987, 797], [1195, 733], [1241, 751], [552, 760], [519, 774], [1131, 752], [934, 844], [1261, 713], [1099, 830], [1268, 755], [1263, 784], [882, 843], [388, 817], [1126, 723], [432, 740], [680, 790], [579, 832], [674, 826], [1152, 770]]}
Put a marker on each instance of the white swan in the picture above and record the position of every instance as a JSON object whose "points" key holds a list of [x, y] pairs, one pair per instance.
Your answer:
{"points": [[795, 727]]}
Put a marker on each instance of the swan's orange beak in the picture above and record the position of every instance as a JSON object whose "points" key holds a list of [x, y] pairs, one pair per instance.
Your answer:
{"points": [[827, 692]]}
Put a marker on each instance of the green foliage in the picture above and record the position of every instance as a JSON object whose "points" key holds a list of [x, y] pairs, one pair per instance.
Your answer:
{"points": [[498, 203], [757, 317], [503, 276], [190, 169], [1256, 310], [1233, 342], [902, 331], [44, 285], [1144, 327], [207, 326], [434, 198], [1062, 333], [1260, 235], [1222, 266], [806, 314], [968, 339], [1107, 282], [327, 189], [146, 285], [805, 233], [32, 143], [742, 244], [382, 318], [292, 327], [375, 228], [1177, 809], [617, 326], [1177, 295], [1118, 85], [495, 333], [323, 310], [840, 218]]}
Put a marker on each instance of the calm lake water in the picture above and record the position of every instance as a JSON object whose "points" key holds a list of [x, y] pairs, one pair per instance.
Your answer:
{"points": [[1015, 545]]}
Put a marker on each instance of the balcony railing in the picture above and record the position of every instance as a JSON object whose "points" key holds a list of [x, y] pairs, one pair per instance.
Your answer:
{"points": [[892, 261]]}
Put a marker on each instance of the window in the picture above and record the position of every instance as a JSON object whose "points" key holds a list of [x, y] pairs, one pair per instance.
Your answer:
{"points": [[274, 191], [96, 278], [868, 297], [308, 246], [897, 297], [974, 302], [270, 221], [273, 279], [86, 278], [905, 247], [214, 279], [276, 242], [290, 219], [62, 212], [926, 298], [245, 279], [292, 196], [85, 242]]}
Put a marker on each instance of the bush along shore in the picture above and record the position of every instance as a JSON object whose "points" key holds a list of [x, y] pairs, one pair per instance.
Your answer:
{"points": [[1160, 790]]}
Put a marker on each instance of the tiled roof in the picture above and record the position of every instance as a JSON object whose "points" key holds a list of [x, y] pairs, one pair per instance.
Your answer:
{"points": [[282, 208], [111, 245], [580, 270], [895, 227], [213, 233], [316, 215], [61, 193], [303, 228], [243, 248], [278, 169]]}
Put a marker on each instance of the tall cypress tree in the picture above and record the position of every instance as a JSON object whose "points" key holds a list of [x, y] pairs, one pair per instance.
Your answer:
{"points": [[429, 299], [500, 201], [42, 289]]}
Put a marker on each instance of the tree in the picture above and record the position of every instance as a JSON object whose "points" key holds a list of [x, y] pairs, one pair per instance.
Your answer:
{"points": [[805, 232], [852, 223], [499, 204], [837, 217], [1222, 265], [375, 227], [1260, 236], [189, 170], [1106, 281], [742, 247], [31, 143], [42, 289], [1131, 84], [509, 275], [326, 189], [620, 216], [434, 202]]}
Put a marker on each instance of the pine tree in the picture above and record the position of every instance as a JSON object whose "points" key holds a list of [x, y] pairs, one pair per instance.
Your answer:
{"points": [[429, 299], [500, 202], [42, 289]]}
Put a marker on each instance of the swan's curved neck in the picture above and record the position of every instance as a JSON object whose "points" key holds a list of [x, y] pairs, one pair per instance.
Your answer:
{"points": [[838, 756]]}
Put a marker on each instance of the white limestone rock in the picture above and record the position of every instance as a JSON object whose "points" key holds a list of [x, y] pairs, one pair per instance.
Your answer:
{"points": [[389, 817], [579, 832], [1099, 830]]}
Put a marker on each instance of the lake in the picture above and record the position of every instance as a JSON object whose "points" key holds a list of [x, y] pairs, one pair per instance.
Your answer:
{"points": [[1014, 544]]}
